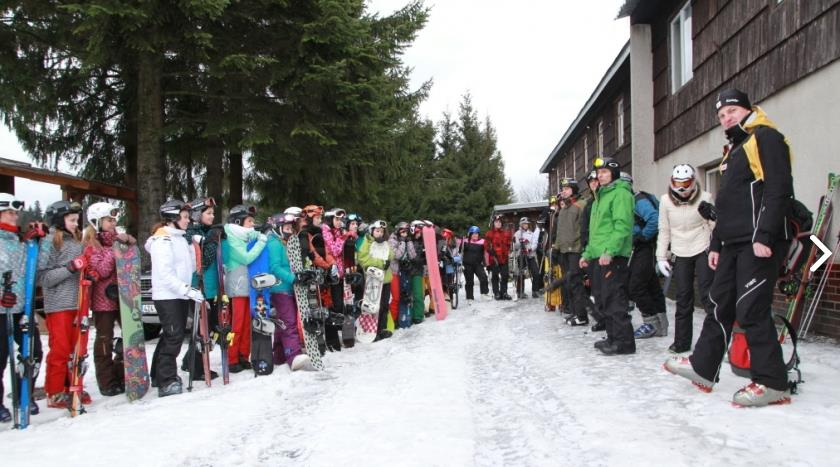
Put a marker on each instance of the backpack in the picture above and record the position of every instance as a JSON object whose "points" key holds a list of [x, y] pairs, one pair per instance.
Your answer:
{"points": [[739, 353], [653, 202], [801, 221]]}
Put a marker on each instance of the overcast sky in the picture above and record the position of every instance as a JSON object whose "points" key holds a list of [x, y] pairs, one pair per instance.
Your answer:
{"points": [[529, 65]]}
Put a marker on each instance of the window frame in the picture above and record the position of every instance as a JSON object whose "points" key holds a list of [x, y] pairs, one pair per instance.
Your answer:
{"points": [[680, 32]]}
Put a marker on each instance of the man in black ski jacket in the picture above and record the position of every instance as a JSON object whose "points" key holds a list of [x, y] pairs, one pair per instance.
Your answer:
{"points": [[748, 244]]}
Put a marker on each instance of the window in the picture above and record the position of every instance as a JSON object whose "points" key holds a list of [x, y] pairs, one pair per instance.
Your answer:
{"points": [[565, 164], [619, 122], [600, 137], [681, 54], [574, 163], [586, 150], [713, 180]]}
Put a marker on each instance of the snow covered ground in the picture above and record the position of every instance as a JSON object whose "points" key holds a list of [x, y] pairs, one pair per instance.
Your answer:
{"points": [[496, 383]]}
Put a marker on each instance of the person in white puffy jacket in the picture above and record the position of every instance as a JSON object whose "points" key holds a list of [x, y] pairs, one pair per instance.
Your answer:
{"points": [[688, 234], [173, 265]]}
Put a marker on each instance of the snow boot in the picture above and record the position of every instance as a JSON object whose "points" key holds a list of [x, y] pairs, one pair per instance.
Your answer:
{"points": [[681, 366], [759, 395], [111, 391], [674, 349], [662, 325], [603, 343], [384, 334], [235, 368], [301, 362], [648, 329], [599, 326], [33, 408], [5, 415], [170, 389], [58, 400], [615, 348], [576, 321]]}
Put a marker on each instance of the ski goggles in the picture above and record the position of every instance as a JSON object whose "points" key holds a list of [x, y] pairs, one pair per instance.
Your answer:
{"points": [[378, 225], [312, 210], [340, 214], [601, 163], [685, 184], [202, 203], [14, 205]]}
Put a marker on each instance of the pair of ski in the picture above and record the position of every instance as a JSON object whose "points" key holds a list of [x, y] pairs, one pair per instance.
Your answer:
{"points": [[200, 334]]}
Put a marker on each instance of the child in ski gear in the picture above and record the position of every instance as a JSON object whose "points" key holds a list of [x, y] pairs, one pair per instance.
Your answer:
{"points": [[321, 258], [100, 235], [173, 265], [13, 259], [287, 347], [644, 288], [567, 250], [525, 253], [334, 236], [497, 244], [746, 252], [610, 244], [60, 261], [240, 231], [418, 265], [401, 272], [202, 215], [683, 228], [474, 261], [376, 252]]}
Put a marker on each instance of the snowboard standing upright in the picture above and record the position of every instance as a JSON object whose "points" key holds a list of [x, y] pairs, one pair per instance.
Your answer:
{"points": [[368, 320], [127, 259], [430, 244], [310, 339]]}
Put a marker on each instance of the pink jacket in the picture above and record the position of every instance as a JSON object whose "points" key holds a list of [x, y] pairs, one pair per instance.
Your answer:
{"points": [[102, 261], [334, 241]]}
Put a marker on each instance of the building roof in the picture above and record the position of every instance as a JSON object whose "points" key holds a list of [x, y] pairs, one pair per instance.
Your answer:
{"points": [[499, 208], [19, 169], [640, 11], [622, 58]]}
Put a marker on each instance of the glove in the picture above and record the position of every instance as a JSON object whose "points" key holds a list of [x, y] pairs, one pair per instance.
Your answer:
{"points": [[36, 230], [194, 295], [664, 268], [77, 263], [9, 300], [707, 211]]}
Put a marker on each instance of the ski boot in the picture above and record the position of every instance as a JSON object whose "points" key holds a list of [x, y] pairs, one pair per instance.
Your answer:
{"points": [[662, 325], [301, 362], [577, 321], [615, 348], [599, 326], [681, 366], [759, 395], [33, 408], [603, 343], [648, 329], [674, 349], [59, 400]]}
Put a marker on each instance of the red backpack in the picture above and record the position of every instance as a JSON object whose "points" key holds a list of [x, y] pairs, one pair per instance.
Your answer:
{"points": [[739, 353]]}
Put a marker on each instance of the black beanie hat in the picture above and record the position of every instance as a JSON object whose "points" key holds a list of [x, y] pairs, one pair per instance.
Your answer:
{"points": [[732, 97]]}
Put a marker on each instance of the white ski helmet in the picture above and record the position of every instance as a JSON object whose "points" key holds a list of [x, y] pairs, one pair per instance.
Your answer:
{"points": [[97, 211], [683, 179], [524, 220], [10, 203]]}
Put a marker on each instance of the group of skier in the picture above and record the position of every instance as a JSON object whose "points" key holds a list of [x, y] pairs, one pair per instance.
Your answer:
{"points": [[618, 240], [733, 249]]}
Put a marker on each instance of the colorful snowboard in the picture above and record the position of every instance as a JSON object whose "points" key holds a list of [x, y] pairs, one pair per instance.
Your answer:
{"points": [[27, 325], [134, 346], [368, 320], [348, 328], [430, 244], [310, 339], [260, 304]]}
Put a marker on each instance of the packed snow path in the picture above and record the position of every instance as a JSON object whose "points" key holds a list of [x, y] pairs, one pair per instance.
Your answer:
{"points": [[496, 383]]}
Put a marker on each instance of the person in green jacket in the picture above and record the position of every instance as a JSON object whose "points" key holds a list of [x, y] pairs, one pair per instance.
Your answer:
{"points": [[375, 251], [609, 247]]}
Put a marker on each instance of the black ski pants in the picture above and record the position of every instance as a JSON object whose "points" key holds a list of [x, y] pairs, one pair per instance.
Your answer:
{"points": [[173, 322], [384, 308], [195, 352], [644, 287], [499, 278], [109, 370], [742, 291], [609, 286], [37, 352], [573, 288], [471, 271], [686, 269]]}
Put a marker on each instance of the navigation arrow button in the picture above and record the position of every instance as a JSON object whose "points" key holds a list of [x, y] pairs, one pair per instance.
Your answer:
{"points": [[822, 259]]}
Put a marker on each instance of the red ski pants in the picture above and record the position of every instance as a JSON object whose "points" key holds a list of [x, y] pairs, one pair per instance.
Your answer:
{"points": [[62, 332], [240, 346], [394, 306]]}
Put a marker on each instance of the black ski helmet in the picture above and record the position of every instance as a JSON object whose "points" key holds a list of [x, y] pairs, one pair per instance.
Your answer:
{"points": [[571, 183], [608, 163], [199, 205], [55, 212], [240, 212], [171, 210]]}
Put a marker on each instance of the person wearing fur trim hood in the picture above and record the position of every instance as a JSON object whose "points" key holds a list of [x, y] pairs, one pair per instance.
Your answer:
{"points": [[683, 228], [100, 236], [173, 266]]}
